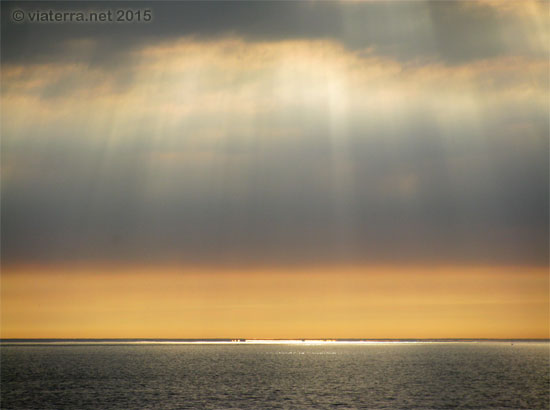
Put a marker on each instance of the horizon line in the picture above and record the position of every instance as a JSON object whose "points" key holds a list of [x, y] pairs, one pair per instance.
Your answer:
{"points": [[295, 341]]}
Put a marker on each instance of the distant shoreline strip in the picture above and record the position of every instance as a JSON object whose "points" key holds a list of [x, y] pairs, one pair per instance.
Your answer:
{"points": [[296, 342]]}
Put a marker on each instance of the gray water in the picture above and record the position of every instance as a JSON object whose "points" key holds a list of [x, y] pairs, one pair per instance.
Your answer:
{"points": [[386, 376]]}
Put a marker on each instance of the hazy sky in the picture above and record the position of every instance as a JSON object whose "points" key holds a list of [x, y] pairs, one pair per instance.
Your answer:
{"points": [[267, 139]]}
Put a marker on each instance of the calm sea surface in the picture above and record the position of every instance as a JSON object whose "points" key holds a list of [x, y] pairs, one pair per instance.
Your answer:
{"points": [[483, 375]]}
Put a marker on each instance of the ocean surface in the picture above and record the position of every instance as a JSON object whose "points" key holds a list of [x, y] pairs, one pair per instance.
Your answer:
{"points": [[292, 375]]}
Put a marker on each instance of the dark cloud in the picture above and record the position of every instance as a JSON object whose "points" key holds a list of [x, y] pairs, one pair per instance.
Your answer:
{"points": [[410, 31], [422, 189], [275, 202]]}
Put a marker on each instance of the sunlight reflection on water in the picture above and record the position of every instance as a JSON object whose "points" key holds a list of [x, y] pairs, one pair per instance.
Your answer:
{"points": [[282, 375]]}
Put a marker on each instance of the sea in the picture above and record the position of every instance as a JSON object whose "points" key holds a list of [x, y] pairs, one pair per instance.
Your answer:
{"points": [[259, 374]]}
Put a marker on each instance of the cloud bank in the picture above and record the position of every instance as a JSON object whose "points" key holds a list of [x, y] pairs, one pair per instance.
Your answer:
{"points": [[279, 133]]}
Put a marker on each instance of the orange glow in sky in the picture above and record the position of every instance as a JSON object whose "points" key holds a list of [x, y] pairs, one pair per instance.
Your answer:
{"points": [[369, 302]]}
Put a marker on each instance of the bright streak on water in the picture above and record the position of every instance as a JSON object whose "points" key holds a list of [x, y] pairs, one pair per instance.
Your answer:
{"points": [[297, 342]]}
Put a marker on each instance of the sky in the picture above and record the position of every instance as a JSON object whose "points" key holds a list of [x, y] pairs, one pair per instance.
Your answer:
{"points": [[313, 169]]}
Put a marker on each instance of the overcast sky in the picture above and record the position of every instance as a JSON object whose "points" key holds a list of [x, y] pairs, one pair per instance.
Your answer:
{"points": [[272, 133]]}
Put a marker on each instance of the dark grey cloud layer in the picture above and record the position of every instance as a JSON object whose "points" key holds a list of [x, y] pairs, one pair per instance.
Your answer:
{"points": [[410, 194], [412, 31], [274, 202]]}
